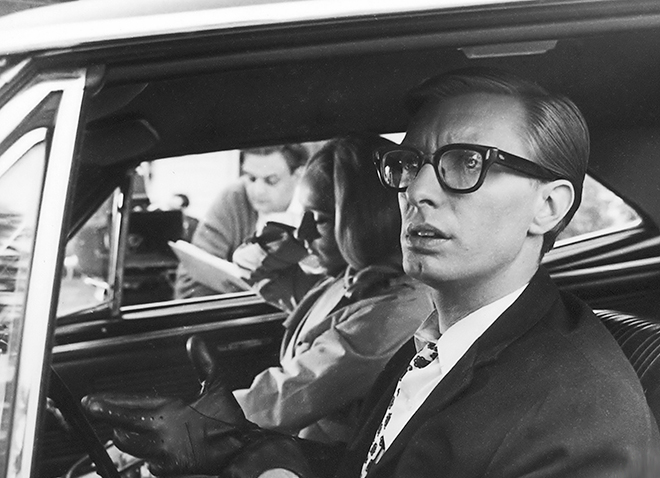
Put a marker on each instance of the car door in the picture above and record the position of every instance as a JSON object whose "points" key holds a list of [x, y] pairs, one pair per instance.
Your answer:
{"points": [[38, 128]]}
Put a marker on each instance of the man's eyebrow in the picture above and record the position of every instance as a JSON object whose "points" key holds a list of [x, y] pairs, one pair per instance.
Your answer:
{"points": [[273, 176]]}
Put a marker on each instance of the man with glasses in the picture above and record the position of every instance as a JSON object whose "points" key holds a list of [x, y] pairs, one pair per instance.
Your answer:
{"points": [[508, 377]]}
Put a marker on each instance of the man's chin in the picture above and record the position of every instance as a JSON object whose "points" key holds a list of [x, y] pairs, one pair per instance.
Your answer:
{"points": [[421, 269], [414, 267]]}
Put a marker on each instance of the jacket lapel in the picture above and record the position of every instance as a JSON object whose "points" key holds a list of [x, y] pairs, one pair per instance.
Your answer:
{"points": [[373, 410], [524, 313]]}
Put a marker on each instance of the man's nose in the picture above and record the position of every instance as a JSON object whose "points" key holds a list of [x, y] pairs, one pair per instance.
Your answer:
{"points": [[424, 188], [259, 186]]}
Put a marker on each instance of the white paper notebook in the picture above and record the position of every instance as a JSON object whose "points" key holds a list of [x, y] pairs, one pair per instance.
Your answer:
{"points": [[206, 268]]}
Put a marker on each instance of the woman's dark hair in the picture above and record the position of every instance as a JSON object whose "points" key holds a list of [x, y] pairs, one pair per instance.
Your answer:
{"points": [[557, 132], [367, 219]]}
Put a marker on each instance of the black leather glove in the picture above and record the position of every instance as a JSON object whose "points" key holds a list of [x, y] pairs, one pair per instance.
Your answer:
{"points": [[282, 248], [174, 437]]}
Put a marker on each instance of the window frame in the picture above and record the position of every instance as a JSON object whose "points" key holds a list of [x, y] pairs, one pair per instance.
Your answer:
{"points": [[39, 302]]}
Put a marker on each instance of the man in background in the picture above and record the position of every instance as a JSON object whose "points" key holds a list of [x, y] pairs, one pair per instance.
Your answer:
{"points": [[264, 192]]}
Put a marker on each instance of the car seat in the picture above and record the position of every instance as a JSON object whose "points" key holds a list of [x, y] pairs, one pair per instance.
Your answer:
{"points": [[640, 340]]}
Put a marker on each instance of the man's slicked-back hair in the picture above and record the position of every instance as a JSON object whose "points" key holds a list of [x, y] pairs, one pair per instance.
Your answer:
{"points": [[295, 155], [557, 133], [367, 218]]}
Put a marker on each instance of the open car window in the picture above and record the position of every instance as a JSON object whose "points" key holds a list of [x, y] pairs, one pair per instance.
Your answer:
{"points": [[175, 198]]}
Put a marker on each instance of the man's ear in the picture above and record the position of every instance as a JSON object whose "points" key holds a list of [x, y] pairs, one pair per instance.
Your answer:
{"points": [[555, 199]]}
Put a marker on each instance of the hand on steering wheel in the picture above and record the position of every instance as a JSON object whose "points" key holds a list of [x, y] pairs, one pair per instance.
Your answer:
{"points": [[175, 437]]}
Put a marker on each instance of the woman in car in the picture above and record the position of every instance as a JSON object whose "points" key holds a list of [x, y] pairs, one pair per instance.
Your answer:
{"points": [[343, 331]]}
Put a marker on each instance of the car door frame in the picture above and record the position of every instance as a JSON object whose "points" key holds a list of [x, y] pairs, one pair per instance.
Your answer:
{"points": [[42, 289]]}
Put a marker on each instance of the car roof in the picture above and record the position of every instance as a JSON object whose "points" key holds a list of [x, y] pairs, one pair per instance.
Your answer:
{"points": [[77, 23]]}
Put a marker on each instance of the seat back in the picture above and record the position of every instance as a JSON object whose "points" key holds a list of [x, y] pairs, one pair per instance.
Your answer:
{"points": [[640, 340]]}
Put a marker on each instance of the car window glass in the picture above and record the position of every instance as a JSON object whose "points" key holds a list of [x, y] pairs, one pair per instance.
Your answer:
{"points": [[171, 197], [175, 198], [22, 168], [86, 264], [600, 212]]}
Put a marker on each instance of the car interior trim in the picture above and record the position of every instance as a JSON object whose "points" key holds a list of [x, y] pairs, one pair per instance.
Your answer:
{"points": [[199, 304], [121, 205], [646, 247], [620, 268], [111, 343], [508, 49], [569, 250], [629, 227], [450, 37]]}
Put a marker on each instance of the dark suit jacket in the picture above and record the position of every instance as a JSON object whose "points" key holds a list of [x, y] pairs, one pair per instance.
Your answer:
{"points": [[545, 391]]}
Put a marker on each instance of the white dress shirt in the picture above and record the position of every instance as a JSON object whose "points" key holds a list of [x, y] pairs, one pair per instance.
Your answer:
{"points": [[417, 384]]}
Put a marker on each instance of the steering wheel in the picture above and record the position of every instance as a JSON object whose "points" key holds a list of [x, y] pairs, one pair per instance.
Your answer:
{"points": [[74, 415]]}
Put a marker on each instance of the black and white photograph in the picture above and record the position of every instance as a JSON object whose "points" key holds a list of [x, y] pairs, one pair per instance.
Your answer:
{"points": [[330, 238]]}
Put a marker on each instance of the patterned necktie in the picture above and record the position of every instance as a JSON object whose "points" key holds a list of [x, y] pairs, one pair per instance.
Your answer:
{"points": [[423, 358]]}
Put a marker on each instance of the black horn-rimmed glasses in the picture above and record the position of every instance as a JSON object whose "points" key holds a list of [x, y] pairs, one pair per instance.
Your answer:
{"points": [[460, 167]]}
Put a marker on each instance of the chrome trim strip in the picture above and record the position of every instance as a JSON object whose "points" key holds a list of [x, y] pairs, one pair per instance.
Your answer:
{"points": [[164, 334], [570, 250], [618, 267], [121, 204], [630, 225], [60, 32], [611, 255], [182, 306], [40, 303]]}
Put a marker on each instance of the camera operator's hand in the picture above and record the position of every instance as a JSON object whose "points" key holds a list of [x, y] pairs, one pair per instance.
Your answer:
{"points": [[175, 437]]}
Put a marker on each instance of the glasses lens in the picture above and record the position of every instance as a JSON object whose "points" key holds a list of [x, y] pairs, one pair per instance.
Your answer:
{"points": [[399, 167], [460, 168]]}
